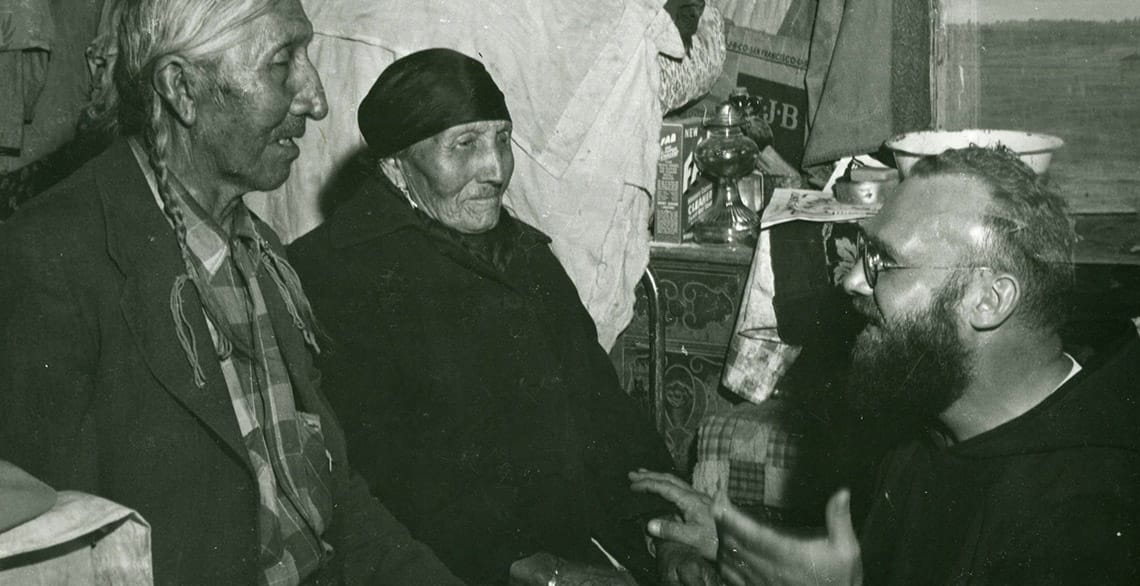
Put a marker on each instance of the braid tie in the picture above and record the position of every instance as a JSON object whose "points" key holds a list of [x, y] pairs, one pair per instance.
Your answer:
{"points": [[185, 333], [289, 285], [157, 142]]}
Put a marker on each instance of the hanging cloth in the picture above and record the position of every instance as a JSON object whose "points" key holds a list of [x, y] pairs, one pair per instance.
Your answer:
{"points": [[868, 76], [26, 31]]}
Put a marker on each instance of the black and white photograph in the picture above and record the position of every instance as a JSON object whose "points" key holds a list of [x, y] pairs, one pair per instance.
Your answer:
{"points": [[586, 293]]}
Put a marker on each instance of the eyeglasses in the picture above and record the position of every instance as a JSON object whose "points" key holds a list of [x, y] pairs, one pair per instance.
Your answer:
{"points": [[874, 262]]}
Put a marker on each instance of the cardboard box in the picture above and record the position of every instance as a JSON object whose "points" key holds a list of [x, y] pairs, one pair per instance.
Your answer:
{"points": [[698, 200], [773, 68], [677, 172]]}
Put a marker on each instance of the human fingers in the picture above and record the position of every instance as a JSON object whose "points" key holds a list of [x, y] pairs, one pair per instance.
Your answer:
{"points": [[732, 521], [694, 572], [840, 530], [684, 498], [730, 573], [746, 563], [643, 474], [700, 537]]}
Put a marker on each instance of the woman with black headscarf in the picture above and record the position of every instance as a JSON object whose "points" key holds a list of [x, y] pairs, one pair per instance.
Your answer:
{"points": [[474, 395]]}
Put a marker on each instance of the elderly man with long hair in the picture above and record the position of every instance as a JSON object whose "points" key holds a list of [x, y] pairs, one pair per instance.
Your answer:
{"points": [[156, 347]]}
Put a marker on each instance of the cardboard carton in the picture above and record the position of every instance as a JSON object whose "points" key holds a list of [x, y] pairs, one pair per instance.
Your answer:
{"points": [[698, 200], [677, 173], [773, 68]]}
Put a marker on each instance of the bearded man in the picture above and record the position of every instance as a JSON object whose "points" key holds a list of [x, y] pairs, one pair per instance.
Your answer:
{"points": [[154, 343], [1028, 470]]}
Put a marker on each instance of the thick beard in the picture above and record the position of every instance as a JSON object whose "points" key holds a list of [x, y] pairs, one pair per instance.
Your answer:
{"points": [[916, 367]]}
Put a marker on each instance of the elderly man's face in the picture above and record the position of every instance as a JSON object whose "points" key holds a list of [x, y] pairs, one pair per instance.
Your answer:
{"points": [[268, 88], [459, 175]]}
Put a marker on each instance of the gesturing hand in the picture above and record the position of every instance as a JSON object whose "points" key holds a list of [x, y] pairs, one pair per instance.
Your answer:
{"points": [[681, 565], [694, 526], [751, 553]]}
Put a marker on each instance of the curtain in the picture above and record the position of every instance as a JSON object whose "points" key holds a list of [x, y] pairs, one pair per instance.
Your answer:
{"points": [[868, 75], [26, 34]]}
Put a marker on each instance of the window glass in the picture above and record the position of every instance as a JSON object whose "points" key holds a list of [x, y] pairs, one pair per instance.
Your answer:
{"points": [[1066, 68]]}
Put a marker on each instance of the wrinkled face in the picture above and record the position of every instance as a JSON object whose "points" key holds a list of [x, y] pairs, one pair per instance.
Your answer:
{"points": [[267, 90], [911, 357], [458, 176]]}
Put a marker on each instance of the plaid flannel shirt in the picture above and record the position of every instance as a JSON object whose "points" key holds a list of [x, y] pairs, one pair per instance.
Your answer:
{"points": [[286, 446]]}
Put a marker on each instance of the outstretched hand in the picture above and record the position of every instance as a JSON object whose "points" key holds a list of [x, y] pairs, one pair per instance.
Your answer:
{"points": [[751, 553], [694, 525], [681, 565]]}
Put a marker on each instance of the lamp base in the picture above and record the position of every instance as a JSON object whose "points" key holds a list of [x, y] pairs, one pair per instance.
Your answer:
{"points": [[729, 221], [714, 234]]}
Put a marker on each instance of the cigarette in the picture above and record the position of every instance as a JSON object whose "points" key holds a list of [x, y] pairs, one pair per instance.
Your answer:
{"points": [[613, 561]]}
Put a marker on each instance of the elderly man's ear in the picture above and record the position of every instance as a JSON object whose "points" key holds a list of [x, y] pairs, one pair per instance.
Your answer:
{"points": [[173, 84]]}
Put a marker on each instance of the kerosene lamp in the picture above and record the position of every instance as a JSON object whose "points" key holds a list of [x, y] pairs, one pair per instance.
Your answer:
{"points": [[726, 155]]}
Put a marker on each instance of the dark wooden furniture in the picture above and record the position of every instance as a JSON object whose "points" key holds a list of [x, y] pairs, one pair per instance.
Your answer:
{"points": [[698, 288]]}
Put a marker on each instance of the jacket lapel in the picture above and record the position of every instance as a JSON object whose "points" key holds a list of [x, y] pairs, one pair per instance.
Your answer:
{"points": [[143, 245]]}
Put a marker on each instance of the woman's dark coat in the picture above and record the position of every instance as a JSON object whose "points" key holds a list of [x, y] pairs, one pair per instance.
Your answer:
{"points": [[477, 403]]}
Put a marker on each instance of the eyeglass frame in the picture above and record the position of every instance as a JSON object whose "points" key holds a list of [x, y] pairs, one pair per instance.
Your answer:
{"points": [[873, 266]]}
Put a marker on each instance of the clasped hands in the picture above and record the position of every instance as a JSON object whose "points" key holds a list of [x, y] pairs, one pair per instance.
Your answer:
{"points": [[747, 552]]}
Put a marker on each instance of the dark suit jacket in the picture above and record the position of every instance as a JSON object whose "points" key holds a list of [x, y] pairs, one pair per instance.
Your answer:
{"points": [[97, 395], [475, 400]]}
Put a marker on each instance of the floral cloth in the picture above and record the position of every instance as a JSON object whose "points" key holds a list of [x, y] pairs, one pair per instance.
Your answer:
{"points": [[684, 80]]}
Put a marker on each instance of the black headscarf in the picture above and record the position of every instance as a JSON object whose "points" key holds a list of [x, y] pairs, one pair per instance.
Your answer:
{"points": [[423, 94]]}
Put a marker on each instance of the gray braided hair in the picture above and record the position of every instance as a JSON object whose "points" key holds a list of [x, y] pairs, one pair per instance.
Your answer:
{"points": [[148, 30], [198, 31]]}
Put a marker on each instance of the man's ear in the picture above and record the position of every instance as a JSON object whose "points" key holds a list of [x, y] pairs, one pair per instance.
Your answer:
{"points": [[995, 299], [173, 86]]}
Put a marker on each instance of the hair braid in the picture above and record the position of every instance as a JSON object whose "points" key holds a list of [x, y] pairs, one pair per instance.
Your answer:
{"points": [[157, 144], [143, 32], [157, 139]]}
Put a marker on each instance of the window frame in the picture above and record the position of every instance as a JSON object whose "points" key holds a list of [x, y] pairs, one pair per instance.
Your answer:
{"points": [[956, 101]]}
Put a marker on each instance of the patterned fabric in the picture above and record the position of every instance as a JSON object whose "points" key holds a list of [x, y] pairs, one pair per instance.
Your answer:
{"points": [[25, 51], [18, 186], [757, 453], [840, 251], [285, 446], [684, 80]]}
